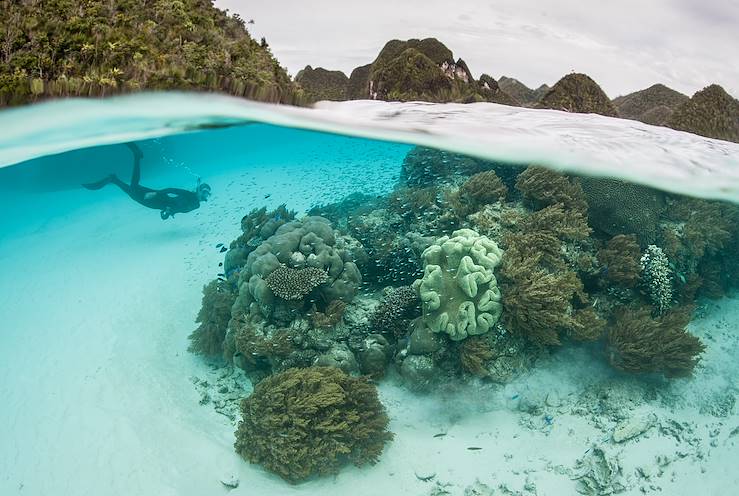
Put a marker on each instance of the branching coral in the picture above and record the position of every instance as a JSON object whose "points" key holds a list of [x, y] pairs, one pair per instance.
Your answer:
{"points": [[295, 284], [657, 277], [306, 422], [459, 292], [395, 311], [639, 343], [544, 187], [213, 318], [620, 257]]}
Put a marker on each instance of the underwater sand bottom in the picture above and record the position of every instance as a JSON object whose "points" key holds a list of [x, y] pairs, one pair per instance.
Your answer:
{"points": [[98, 393]]}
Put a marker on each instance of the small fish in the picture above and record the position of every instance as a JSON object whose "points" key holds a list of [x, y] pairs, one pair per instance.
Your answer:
{"points": [[515, 396], [474, 448], [223, 248], [219, 245], [441, 434], [220, 264], [267, 196], [221, 274]]}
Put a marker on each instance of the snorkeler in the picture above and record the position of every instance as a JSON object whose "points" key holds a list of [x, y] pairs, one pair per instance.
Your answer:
{"points": [[168, 201]]}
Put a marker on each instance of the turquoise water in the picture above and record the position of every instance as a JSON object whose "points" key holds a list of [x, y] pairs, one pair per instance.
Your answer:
{"points": [[99, 295]]}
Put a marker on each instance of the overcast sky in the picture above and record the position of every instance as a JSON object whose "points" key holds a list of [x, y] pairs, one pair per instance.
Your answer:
{"points": [[624, 45]]}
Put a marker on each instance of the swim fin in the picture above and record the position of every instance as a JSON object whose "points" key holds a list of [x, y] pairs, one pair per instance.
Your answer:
{"points": [[101, 183]]}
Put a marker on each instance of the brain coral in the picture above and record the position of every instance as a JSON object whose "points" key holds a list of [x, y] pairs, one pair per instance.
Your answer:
{"points": [[297, 245], [618, 207], [458, 291]]}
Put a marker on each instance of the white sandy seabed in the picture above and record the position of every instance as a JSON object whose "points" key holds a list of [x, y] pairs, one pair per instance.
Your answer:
{"points": [[98, 393]]}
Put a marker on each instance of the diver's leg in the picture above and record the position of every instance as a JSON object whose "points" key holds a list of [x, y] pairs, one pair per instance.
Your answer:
{"points": [[137, 156], [125, 187], [98, 184]]}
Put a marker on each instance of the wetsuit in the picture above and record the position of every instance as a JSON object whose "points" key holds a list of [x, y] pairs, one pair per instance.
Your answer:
{"points": [[168, 201]]}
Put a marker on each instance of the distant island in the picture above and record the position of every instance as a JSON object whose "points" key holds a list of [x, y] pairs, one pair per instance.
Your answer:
{"points": [[425, 70], [99, 48]]}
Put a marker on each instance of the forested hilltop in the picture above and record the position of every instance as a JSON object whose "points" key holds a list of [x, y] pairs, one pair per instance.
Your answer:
{"points": [[99, 47]]}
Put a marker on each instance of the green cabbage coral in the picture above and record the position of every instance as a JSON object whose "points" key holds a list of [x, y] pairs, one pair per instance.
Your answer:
{"points": [[305, 422], [458, 291]]}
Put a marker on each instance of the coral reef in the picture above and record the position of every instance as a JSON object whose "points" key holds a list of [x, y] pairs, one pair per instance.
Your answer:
{"points": [[637, 342], [621, 260], [543, 297], [309, 422], [255, 350], [479, 190], [256, 226], [657, 277], [393, 259], [213, 317], [473, 353], [295, 284], [309, 243], [698, 237], [566, 224], [423, 167], [331, 316], [538, 303], [458, 291], [394, 313], [618, 207], [543, 187]]}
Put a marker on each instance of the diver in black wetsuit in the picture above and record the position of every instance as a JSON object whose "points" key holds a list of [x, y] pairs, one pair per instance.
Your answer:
{"points": [[168, 201]]}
